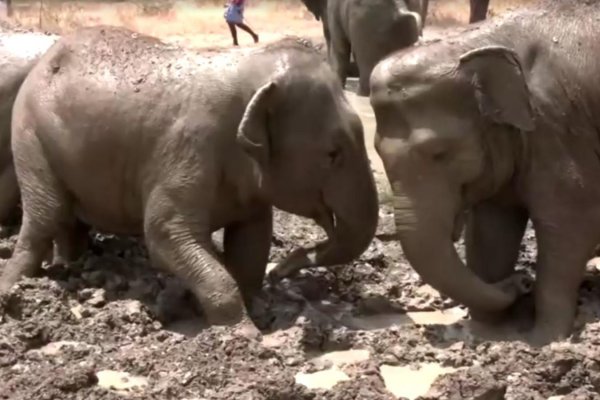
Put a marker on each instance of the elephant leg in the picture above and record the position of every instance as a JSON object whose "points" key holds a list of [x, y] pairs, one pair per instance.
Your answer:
{"points": [[479, 10], [339, 56], [246, 246], [178, 237], [366, 61], [46, 208], [563, 250], [71, 242], [493, 238]]}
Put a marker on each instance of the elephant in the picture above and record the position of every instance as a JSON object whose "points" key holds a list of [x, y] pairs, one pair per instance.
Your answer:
{"points": [[498, 121], [368, 30], [185, 144], [479, 10], [19, 51]]}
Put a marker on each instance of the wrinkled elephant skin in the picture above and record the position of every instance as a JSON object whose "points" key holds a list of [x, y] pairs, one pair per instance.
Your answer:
{"points": [[18, 53], [183, 144], [500, 121], [368, 31]]}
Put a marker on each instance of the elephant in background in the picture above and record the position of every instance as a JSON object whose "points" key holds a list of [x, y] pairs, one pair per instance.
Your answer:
{"points": [[184, 146], [501, 121], [479, 9], [368, 30], [19, 51]]}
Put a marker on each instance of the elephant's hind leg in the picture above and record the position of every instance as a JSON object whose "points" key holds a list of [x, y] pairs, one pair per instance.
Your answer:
{"points": [[46, 209]]}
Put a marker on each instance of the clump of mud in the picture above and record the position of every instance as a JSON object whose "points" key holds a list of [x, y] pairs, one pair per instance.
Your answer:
{"points": [[112, 326]]}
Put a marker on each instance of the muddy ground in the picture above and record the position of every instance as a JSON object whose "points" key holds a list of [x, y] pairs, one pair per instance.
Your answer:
{"points": [[63, 332], [112, 327]]}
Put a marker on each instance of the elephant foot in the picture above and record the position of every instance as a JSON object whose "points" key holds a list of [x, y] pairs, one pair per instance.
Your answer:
{"points": [[541, 336]]}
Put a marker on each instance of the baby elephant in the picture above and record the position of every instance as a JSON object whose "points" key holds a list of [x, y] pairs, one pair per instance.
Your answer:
{"points": [[131, 135]]}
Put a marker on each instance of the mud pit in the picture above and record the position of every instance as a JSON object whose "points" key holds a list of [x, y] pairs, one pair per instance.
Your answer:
{"points": [[111, 327]]}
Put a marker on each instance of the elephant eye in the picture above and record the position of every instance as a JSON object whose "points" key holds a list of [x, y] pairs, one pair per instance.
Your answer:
{"points": [[335, 157]]}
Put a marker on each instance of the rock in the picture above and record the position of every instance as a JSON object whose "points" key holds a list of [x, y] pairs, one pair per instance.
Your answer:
{"points": [[98, 298], [475, 383], [80, 312], [594, 264]]}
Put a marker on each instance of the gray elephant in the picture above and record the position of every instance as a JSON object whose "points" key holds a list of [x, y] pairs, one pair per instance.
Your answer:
{"points": [[184, 144], [19, 51], [479, 9], [367, 29], [501, 121]]}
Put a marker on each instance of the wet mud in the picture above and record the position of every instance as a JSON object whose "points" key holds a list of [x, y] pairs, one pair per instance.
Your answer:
{"points": [[111, 327]]}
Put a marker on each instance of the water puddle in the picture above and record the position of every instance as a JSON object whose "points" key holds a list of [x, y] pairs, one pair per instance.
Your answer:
{"points": [[121, 382], [382, 321], [325, 379], [411, 383]]}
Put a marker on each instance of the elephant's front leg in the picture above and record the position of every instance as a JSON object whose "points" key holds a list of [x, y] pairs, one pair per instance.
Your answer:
{"points": [[177, 232], [563, 249], [247, 246], [493, 239]]}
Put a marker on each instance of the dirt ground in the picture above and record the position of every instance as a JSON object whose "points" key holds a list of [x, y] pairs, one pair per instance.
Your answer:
{"points": [[112, 327]]}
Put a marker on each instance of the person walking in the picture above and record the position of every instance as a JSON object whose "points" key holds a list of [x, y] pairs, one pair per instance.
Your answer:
{"points": [[234, 16]]}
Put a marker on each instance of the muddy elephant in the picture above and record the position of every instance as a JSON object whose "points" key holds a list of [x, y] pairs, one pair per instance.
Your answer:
{"points": [[498, 121], [19, 51], [479, 9], [182, 145], [368, 30]]}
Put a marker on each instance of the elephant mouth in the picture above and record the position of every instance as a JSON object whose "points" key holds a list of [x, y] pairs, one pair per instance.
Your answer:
{"points": [[326, 219]]}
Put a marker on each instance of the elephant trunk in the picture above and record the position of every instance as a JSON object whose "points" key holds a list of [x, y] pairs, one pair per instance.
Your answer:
{"points": [[426, 240], [349, 218]]}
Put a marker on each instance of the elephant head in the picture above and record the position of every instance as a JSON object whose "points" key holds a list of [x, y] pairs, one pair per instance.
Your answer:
{"points": [[449, 132], [316, 7], [309, 145]]}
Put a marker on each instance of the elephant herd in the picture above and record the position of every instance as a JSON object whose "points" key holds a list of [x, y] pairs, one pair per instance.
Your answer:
{"points": [[480, 132], [370, 30]]}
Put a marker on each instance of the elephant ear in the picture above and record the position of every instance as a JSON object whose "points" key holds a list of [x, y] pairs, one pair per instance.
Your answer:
{"points": [[316, 7], [253, 134], [500, 86]]}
